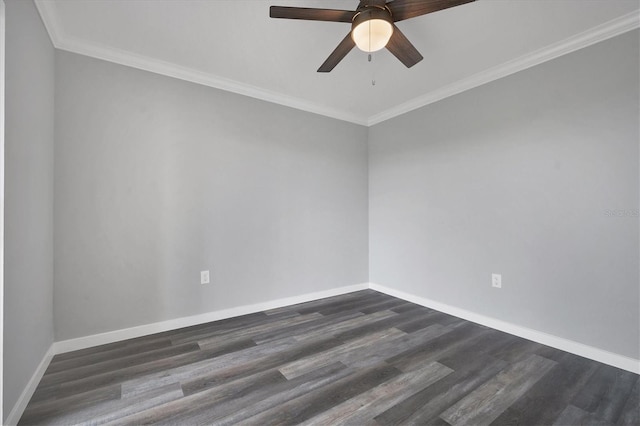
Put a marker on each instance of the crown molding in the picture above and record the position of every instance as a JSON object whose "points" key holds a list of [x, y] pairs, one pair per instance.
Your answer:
{"points": [[187, 74], [602, 32], [47, 12], [63, 41]]}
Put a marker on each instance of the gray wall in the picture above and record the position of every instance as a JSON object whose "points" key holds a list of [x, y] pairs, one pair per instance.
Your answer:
{"points": [[28, 280], [157, 179], [519, 177]]}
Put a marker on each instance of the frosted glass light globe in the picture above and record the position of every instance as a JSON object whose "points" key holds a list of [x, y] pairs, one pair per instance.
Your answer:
{"points": [[372, 35], [372, 28]]}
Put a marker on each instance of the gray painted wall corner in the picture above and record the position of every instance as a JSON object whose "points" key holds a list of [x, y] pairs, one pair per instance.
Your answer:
{"points": [[534, 176], [28, 256]]}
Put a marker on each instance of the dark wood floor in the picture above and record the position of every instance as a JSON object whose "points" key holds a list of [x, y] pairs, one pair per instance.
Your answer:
{"points": [[363, 358]]}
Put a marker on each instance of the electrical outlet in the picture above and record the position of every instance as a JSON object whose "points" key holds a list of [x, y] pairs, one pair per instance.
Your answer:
{"points": [[496, 280], [204, 277]]}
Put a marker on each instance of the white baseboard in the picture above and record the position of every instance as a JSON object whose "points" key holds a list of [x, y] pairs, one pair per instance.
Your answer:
{"points": [[27, 393], [143, 330], [596, 354]]}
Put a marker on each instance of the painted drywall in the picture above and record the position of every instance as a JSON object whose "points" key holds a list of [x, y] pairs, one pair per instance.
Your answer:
{"points": [[2, 43], [157, 179], [28, 244], [534, 176]]}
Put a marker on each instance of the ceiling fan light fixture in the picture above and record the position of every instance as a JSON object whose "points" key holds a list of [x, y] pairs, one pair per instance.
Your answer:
{"points": [[372, 26], [371, 29]]}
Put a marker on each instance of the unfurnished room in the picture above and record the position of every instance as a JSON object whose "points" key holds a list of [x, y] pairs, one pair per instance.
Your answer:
{"points": [[320, 212]]}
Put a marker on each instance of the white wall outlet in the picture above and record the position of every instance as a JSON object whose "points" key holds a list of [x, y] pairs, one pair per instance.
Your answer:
{"points": [[204, 277], [496, 280]]}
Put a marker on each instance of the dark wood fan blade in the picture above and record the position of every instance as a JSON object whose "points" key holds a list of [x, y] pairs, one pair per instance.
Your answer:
{"points": [[338, 54], [311, 14], [402, 48], [405, 9]]}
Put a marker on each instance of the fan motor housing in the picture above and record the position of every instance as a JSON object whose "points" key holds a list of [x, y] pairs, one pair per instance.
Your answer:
{"points": [[371, 12]]}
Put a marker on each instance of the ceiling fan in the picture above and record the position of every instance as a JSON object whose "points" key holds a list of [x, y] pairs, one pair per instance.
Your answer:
{"points": [[372, 26]]}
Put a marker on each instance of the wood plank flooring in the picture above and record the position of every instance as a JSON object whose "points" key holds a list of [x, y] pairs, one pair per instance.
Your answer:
{"points": [[363, 358]]}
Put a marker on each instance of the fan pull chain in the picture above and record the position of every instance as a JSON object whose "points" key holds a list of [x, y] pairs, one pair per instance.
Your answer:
{"points": [[373, 77], [373, 74]]}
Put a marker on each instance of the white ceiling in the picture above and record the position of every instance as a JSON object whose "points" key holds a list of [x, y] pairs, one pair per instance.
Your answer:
{"points": [[234, 45]]}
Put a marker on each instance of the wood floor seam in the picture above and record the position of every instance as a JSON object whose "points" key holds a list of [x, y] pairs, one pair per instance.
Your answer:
{"points": [[363, 358]]}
